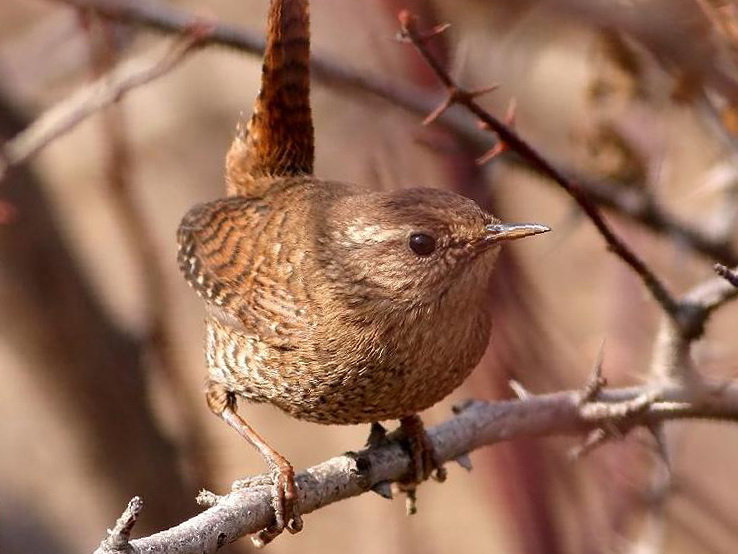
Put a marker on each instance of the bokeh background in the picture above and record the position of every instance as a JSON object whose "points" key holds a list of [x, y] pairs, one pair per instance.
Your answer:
{"points": [[101, 362]]}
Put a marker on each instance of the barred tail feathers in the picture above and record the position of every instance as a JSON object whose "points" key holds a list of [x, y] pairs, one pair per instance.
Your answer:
{"points": [[278, 139]]}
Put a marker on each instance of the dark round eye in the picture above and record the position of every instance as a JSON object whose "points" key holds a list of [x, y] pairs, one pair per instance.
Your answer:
{"points": [[422, 244]]}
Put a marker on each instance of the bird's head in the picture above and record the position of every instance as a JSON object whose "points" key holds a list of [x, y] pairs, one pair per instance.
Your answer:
{"points": [[412, 246]]}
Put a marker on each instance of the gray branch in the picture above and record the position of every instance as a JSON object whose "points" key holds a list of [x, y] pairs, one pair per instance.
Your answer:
{"points": [[478, 424]]}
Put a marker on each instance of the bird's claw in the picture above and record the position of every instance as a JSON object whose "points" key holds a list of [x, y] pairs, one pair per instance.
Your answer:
{"points": [[284, 502], [424, 457], [425, 462]]}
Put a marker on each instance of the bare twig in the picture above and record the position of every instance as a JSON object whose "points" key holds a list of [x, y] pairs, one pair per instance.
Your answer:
{"points": [[68, 114], [628, 203], [730, 275], [458, 95], [477, 424]]}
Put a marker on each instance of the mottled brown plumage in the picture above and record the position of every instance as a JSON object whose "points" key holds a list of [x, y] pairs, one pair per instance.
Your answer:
{"points": [[317, 305], [337, 304]]}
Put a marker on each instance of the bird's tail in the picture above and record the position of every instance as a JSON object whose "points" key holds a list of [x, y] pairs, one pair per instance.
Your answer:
{"points": [[278, 139]]}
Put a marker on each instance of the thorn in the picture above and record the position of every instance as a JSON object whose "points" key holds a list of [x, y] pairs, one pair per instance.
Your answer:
{"points": [[437, 30], [464, 461], [726, 273], [457, 95], [501, 146], [520, 391], [409, 29], [440, 110], [596, 381], [383, 489], [408, 23], [477, 92], [592, 441], [492, 153], [511, 115]]}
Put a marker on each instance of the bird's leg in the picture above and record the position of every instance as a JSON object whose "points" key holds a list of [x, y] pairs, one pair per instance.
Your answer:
{"points": [[423, 454], [284, 490], [423, 457]]}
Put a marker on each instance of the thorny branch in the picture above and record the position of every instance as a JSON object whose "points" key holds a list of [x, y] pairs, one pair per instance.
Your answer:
{"points": [[476, 424], [730, 275], [247, 511], [685, 318], [636, 207], [509, 139]]}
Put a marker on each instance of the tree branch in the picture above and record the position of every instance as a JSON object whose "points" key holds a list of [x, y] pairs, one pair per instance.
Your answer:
{"points": [[107, 90], [730, 275], [510, 140], [477, 424], [637, 208]]}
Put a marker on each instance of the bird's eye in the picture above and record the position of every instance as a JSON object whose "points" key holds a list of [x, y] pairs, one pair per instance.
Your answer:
{"points": [[422, 244]]}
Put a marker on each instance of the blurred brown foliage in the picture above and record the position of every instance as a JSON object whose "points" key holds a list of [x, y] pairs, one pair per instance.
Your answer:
{"points": [[102, 378]]}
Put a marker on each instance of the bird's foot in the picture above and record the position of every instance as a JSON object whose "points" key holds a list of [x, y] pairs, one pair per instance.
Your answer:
{"points": [[284, 502], [422, 452], [281, 476], [425, 462]]}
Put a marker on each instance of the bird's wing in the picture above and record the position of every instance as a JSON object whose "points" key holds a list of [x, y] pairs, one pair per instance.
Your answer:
{"points": [[230, 258]]}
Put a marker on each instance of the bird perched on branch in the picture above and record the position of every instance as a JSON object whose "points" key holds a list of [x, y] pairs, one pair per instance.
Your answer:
{"points": [[337, 304]]}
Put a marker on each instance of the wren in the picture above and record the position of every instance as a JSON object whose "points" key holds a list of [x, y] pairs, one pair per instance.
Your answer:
{"points": [[337, 304]]}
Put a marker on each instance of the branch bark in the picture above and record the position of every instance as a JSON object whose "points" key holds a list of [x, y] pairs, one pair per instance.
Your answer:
{"points": [[477, 424]]}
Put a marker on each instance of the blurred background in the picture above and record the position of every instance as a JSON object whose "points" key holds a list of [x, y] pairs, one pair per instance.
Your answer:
{"points": [[101, 361]]}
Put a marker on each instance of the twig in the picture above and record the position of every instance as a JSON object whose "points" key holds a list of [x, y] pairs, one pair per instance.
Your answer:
{"points": [[457, 95], [171, 20], [478, 424], [672, 349], [119, 537], [730, 275], [66, 115]]}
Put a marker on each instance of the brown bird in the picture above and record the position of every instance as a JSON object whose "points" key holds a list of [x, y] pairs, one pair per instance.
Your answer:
{"points": [[337, 304]]}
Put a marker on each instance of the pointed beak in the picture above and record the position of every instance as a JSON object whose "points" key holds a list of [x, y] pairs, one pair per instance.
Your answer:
{"points": [[502, 231]]}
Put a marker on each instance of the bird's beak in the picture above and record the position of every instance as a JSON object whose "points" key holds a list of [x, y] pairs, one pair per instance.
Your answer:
{"points": [[501, 231]]}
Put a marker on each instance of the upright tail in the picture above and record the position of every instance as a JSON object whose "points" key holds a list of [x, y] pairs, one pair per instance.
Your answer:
{"points": [[278, 140]]}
